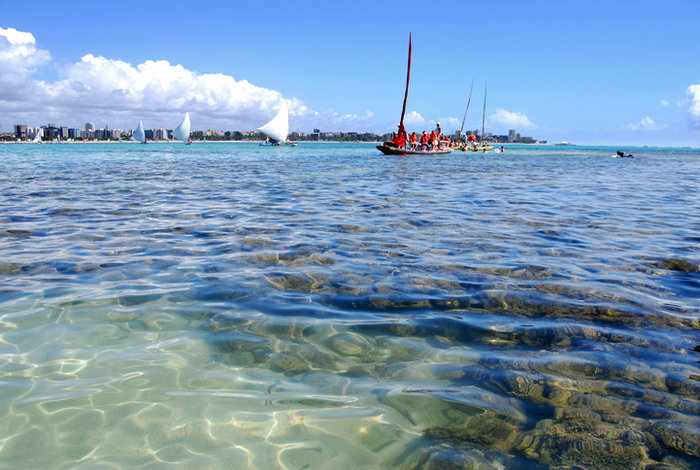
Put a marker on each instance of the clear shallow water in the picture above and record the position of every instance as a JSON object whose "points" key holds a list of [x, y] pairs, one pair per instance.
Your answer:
{"points": [[226, 305]]}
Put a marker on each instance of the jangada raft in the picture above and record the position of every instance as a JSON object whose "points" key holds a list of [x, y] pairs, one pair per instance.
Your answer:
{"points": [[277, 130], [390, 148]]}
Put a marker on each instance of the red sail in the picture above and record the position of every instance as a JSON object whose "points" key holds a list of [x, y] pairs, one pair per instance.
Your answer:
{"points": [[408, 80]]}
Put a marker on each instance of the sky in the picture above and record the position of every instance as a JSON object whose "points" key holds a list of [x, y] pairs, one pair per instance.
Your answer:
{"points": [[597, 72]]}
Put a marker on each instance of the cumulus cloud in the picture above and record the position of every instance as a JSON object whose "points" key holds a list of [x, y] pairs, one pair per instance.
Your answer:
{"points": [[694, 109], [664, 103], [646, 124], [109, 87], [511, 119], [449, 122], [19, 58], [414, 118]]}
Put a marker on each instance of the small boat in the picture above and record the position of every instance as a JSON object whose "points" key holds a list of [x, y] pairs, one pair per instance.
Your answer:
{"points": [[182, 132], [464, 118], [390, 148], [139, 133], [277, 129], [482, 146]]}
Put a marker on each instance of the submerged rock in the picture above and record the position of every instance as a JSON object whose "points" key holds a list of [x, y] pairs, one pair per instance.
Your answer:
{"points": [[678, 264], [677, 437], [349, 344], [289, 364], [581, 438], [442, 457]]}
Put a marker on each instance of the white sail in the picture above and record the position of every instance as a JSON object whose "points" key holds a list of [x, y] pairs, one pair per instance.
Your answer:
{"points": [[182, 132], [37, 137], [278, 128], [139, 134]]}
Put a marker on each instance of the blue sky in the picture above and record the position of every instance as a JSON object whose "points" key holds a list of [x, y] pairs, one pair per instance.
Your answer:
{"points": [[589, 72]]}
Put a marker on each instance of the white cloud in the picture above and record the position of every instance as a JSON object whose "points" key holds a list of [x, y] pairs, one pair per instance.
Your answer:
{"points": [[104, 87], [664, 103], [694, 109], [646, 124], [449, 123], [19, 58], [511, 119], [414, 118]]}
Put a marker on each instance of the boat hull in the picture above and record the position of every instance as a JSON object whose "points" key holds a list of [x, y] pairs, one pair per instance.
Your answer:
{"points": [[393, 150]]}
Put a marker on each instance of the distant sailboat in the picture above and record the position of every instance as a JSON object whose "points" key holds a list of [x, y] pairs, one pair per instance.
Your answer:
{"points": [[139, 134], [182, 132], [483, 146], [37, 137], [277, 129], [466, 111]]}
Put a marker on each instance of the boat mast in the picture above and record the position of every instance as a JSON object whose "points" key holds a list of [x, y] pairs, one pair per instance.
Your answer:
{"points": [[408, 80], [483, 115], [469, 100]]}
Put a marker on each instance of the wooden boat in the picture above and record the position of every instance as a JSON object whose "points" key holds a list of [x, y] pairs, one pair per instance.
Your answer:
{"points": [[390, 148]]}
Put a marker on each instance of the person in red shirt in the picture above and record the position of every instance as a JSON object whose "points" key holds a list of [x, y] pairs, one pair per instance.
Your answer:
{"points": [[400, 139], [433, 139], [424, 140], [414, 140]]}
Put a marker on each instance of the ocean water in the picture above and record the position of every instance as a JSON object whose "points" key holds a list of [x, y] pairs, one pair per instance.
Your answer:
{"points": [[232, 306]]}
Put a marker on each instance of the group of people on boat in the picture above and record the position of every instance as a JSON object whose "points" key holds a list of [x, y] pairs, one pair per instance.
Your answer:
{"points": [[436, 140]]}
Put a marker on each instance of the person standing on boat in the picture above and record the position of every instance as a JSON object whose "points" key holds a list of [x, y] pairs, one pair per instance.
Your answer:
{"points": [[414, 141], [401, 138], [424, 141]]}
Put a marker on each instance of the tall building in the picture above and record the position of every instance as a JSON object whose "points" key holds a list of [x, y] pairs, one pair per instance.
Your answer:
{"points": [[64, 133], [511, 135], [51, 132], [89, 127], [74, 133], [21, 131]]}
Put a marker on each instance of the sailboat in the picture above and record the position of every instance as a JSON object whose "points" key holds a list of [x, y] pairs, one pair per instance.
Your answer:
{"points": [[182, 132], [139, 134], [462, 146], [277, 129], [390, 148], [37, 137], [483, 146]]}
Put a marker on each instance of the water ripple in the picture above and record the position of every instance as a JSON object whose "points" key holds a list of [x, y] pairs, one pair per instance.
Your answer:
{"points": [[322, 306]]}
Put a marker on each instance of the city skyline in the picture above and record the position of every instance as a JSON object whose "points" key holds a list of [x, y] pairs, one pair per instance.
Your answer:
{"points": [[53, 131], [548, 73]]}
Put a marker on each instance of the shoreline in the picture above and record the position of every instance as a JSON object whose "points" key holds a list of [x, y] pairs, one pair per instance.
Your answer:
{"points": [[350, 142]]}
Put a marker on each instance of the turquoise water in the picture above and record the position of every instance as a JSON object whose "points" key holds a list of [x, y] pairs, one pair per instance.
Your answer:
{"points": [[232, 306]]}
